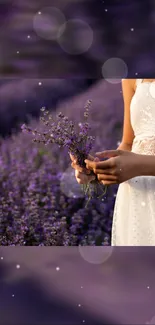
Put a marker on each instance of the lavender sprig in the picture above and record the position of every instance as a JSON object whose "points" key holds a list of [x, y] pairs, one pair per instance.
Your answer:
{"points": [[63, 133]]}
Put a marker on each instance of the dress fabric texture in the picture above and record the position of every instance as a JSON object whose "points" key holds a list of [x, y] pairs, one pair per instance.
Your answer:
{"points": [[134, 211]]}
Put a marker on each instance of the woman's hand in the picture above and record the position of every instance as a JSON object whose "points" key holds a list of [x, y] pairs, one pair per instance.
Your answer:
{"points": [[121, 166], [83, 178], [75, 165], [83, 175]]}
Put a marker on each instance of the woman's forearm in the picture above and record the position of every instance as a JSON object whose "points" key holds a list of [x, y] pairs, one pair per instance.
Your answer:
{"points": [[125, 146], [146, 165]]}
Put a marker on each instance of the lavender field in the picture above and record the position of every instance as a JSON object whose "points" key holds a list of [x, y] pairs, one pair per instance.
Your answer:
{"points": [[40, 201]]}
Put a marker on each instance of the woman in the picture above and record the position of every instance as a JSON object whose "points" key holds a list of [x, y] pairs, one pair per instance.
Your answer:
{"points": [[132, 166]]}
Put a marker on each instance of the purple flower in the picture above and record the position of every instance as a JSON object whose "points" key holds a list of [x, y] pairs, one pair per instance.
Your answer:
{"points": [[63, 133]]}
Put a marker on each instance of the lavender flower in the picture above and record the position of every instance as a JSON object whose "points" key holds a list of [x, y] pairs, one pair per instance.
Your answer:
{"points": [[63, 133]]}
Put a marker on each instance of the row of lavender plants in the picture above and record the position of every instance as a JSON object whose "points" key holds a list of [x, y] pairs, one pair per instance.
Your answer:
{"points": [[38, 203]]}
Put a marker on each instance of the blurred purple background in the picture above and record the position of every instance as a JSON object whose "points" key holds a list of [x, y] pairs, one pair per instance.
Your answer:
{"points": [[123, 29], [68, 39], [57, 286]]}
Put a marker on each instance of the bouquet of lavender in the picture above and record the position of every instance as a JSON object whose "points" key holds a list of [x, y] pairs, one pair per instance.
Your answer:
{"points": [[79, 143]]}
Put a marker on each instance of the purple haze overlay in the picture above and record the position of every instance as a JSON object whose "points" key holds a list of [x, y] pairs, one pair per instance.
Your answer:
{"points": [[120, 290]]}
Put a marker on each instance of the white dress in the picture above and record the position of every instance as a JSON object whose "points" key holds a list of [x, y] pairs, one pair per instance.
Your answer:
{"points": [[134, 211]]}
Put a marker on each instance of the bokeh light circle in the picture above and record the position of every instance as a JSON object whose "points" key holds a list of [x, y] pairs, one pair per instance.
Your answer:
{"points": [[114, 70], [69, 185], [95, 254], [47, 23], [152, 321], [75, 37], [152, 89]]}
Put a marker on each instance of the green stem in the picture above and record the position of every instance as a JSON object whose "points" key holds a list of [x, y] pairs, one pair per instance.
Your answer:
{"points": [[103, 193]]}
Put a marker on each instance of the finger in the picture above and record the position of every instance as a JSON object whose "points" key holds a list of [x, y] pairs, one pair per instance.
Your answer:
{"points": [[80, 174], [109, 182], [83, 181], [90, 157], [104, 171], [82, 178], [100, 165], [77, 167], [96, 159], [73, 158], [80, 169], [104, 177], [109, 153]]}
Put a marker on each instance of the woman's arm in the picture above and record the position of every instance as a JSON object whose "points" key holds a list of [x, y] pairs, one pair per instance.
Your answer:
{"points": [[128, 89], [123, 164], [146, 165], [124, 146]]}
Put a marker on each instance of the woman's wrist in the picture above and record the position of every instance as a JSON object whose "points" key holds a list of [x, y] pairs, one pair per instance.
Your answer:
{"points": [[146, 165]]}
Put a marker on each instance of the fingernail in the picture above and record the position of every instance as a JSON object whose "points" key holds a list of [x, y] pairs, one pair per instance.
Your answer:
{"points": [[97, 153], [86, 161]]}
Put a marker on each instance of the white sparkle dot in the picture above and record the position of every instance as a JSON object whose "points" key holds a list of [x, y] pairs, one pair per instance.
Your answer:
{"points": [[132, 29], [148, 287], [17, 266], [25, 101], [2, 258], [106, 10], [57, 268], [40, 83], [13, 296], [39, 12], [28, 36], [83, 321], [143, 204], [17, 52], [81, 287], [79, 305], [136, 73]]}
